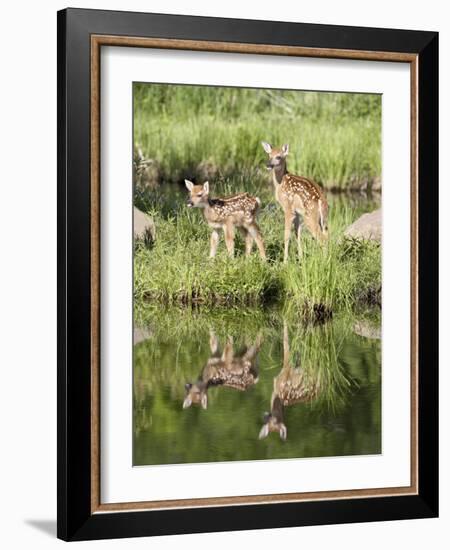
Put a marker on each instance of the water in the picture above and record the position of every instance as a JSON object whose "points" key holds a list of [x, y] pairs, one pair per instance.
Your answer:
{"points": [[263, 386]]}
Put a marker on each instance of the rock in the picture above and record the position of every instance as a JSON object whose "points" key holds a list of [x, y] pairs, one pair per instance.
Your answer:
{"points": [[144, 226], [376, 184], [367, 227], [140, 335], [367, 330]]}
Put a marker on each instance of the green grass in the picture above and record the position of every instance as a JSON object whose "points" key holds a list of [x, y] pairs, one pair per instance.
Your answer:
{"points": [[213, 133], [200, 132], [177, 269]]}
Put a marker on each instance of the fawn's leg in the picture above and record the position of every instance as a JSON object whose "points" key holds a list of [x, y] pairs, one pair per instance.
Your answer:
{"points": [[313, 225], [228, 351], [248, 240], [214, 242], [228, 230], [253, 349], [298, 231], [323, 220], [213, 342], [288, 218], [255, 234], [286, 354]]}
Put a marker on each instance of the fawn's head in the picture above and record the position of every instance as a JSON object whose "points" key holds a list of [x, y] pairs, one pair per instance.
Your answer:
{"points": [[273, 421], [277, 156], [196, 393], [198, 194]]}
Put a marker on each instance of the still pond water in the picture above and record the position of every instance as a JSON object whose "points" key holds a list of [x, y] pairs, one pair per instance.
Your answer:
{"points": [[250, 385]]}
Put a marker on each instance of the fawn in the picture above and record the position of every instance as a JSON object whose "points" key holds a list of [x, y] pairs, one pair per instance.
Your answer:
{"points": [[298, 196], [226, 213], [238, 371], [292, 385]]}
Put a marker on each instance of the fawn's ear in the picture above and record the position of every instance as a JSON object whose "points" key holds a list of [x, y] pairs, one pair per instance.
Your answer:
{"points": [[285, 149], [267, 147], [206, 187], [264, 431], [189, 184], [283, 432], [205, 401]]}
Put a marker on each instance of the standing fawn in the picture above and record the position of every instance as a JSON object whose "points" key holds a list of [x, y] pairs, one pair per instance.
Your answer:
{"points": [[292, 385], [238, 371], [227, 213], [298, 196]]}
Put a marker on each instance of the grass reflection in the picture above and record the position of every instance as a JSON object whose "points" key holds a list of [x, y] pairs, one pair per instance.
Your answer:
{"points": [[326, 379]]}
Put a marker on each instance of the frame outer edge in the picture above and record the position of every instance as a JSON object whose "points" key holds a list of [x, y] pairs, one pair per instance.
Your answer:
{"points": [[74, 346], [61, 279], [428, 212], [198, 27], [74, 520]]}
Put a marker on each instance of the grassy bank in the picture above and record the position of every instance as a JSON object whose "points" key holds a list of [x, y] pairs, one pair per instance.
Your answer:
{"points": [[213, 133], [177, 270]]}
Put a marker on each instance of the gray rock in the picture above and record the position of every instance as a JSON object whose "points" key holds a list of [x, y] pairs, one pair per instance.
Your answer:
{"points": [[367, 227], [141, 334], [144, 226], [367, 330], [376, 184]]}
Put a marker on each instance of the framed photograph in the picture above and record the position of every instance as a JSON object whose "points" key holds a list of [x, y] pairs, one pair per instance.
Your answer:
{"points": [[247, 255]]}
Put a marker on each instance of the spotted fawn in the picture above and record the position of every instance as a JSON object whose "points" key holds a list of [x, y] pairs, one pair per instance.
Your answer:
{"points": [[292, 385], [299, 197], [233, 370], [227, 213]]}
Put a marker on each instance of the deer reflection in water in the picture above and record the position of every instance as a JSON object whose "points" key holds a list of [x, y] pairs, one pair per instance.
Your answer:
{"points": [[238, 371], [292, 385]]}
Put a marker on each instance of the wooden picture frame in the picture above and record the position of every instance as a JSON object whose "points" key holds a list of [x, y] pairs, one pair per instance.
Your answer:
{"points": [[81, 35]]}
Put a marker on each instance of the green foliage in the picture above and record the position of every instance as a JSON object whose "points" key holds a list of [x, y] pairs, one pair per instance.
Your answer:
{"points": [[335, 138], [177, 269], [180, 295]]}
